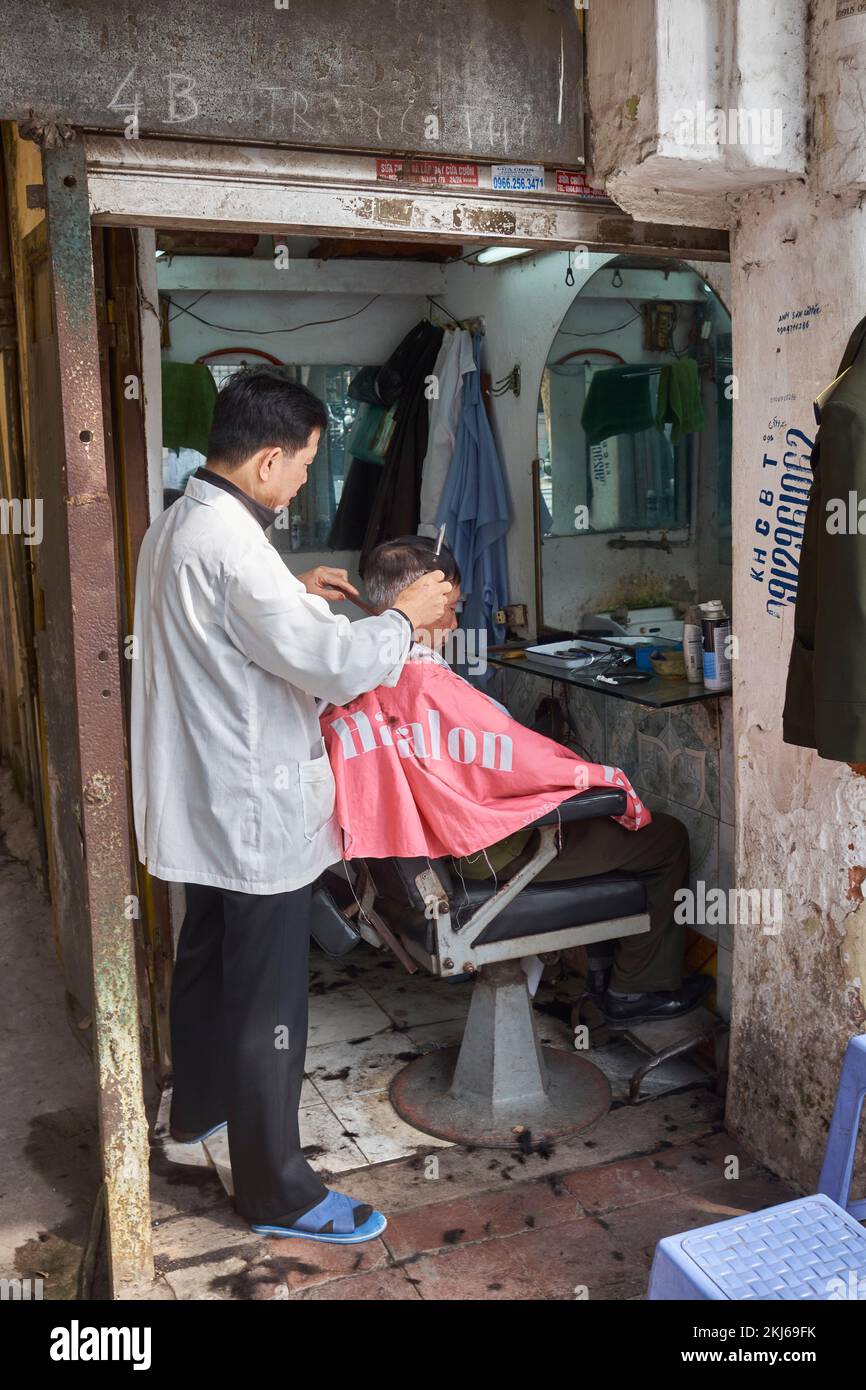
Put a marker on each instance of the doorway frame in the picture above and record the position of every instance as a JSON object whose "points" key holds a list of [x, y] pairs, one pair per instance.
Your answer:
{"points": [[96, 180], [181, 185]]}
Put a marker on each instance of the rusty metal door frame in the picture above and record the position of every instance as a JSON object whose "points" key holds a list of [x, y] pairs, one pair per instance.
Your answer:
{"points": [[96, 689], [27, 761], [123, 303], [181, 184]]}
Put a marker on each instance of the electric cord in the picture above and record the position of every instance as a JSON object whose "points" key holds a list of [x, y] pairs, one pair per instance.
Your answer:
{"points": [[263, 332]]}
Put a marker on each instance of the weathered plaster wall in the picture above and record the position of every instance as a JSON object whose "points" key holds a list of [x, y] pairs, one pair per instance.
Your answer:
{"points": [[802, 819], [798, 249], [650, 62], [498, 78], [801, 824], [837, 75]]}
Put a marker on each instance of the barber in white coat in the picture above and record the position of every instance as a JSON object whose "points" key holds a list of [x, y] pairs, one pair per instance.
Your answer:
{"points": [[233, 793]]}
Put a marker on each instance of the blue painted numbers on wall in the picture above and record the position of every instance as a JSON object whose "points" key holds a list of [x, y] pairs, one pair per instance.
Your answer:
{"points": [[781, 516]]}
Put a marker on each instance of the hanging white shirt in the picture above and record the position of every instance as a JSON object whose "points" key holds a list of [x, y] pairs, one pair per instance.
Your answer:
{"points": [[454, 360], [231, 783]]}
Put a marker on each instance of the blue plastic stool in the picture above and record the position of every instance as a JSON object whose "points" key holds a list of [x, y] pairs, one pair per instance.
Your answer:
{"points": [[807, 1249], [811, 1248], [835, 1179]]}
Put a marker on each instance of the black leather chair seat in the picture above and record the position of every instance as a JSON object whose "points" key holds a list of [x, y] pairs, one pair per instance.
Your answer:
{"points": [[538, 908], [543, 907]]}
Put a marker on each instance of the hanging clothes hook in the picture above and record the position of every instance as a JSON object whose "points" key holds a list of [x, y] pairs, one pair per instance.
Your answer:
{"points": [[443, 310]]}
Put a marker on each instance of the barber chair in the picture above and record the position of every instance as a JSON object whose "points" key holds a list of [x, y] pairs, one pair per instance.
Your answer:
{"points": [[500, 1080]]}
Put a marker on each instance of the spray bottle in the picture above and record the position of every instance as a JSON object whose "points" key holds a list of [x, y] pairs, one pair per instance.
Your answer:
{"points": [[716, 630], [693, 644]]}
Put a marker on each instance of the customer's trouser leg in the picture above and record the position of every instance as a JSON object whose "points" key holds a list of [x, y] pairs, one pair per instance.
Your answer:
{"points": [[659, 853], [261, 947]]}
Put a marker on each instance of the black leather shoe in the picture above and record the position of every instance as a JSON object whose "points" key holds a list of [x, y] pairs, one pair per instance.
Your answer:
{"points": [[650, 1008]]}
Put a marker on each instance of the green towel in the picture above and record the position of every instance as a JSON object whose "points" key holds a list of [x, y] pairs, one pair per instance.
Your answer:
{"points": [[188, 397], [618, 402], [679, 399]]}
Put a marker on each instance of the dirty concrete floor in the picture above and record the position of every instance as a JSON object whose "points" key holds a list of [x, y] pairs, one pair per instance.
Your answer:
{"points": [[463, 1224], [480, 1224], [581, 1221], [49, 1153]]}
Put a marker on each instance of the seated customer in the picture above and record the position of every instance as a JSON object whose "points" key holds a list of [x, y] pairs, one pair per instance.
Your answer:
{"points": [[434, 767]]}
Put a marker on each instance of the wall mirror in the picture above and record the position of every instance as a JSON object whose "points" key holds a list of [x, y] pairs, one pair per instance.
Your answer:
{"points": [[634, 440]]}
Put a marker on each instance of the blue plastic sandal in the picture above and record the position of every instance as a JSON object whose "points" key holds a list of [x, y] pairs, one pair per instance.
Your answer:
{"points": [[200, 1138], [337, 1211]]}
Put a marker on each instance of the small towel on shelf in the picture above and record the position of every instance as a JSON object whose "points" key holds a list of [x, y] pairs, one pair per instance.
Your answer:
{"points": [[679, 399], [189, 395]]}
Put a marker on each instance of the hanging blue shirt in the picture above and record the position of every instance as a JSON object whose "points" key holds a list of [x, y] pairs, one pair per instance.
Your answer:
{"points": [[476, 509]]}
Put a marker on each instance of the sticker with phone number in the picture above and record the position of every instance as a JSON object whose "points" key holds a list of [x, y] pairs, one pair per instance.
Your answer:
{"points": [[517, 178]]}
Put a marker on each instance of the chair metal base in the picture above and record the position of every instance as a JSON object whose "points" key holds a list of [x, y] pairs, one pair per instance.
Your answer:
{"points": [[500, 1078], [578, 1096]]}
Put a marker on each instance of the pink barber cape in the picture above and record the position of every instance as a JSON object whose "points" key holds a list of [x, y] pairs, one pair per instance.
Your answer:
{"points": [[431, 767]]}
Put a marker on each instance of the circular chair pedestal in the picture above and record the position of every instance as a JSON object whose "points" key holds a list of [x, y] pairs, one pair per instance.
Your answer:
{"points": [[577, 1097]]}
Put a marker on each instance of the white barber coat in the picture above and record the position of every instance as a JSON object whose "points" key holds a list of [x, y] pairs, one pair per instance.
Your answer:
{"points": [[231, 783]]}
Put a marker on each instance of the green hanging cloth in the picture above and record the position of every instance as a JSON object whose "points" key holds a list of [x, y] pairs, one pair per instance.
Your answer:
{"points": [[679, 399], [189, 394], [618, 402]]}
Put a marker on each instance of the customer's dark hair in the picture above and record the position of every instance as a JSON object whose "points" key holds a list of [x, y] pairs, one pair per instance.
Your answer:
{"points": [[395, 564], [261, 408]]}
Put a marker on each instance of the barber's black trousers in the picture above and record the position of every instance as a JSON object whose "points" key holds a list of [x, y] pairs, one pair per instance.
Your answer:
{"points": [[239, 1038]]}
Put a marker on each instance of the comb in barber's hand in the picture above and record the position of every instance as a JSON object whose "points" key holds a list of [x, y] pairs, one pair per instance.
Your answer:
{"points": [[365, 606]]}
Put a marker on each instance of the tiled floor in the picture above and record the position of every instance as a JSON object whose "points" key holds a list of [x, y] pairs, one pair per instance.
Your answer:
{"points": [[578, 1222], [368, 1018], [364, 1026]]}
